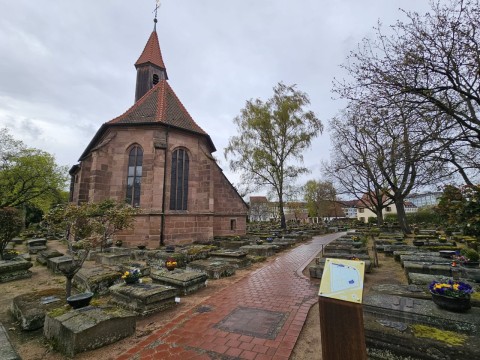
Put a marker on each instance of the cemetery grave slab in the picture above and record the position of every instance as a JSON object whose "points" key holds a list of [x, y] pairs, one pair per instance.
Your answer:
{"points": [[34, 246], [44, 255], [88, 328], [260, 250], [413, 310], [16, 269], [428, 268], [56, 263], [30, 309], [97, 279], [143, 299], [238, 263], [213, 269], [186, 282], [112, 258], [7, 351]]}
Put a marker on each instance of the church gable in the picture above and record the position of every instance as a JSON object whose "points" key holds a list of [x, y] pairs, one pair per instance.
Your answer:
{"points": [[156, 157]]}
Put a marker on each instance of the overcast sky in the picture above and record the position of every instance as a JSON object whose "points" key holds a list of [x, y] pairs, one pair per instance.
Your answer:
{"points": [[66, 67]]}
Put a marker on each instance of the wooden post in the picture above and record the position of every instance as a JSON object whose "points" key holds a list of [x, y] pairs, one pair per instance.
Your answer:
{"points": [[342, 330]]}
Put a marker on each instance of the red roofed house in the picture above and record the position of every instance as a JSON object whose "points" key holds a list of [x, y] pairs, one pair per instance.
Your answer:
{"points": [[157, 158]]}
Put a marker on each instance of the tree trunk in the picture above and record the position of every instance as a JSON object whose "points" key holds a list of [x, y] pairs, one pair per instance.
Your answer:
{"points": [[402, 217], [283, 223], [379, 214], [68, 286]]}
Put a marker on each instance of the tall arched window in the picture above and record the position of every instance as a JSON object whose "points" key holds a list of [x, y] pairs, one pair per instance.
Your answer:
{"points": [[134, 177], [179, 188]]}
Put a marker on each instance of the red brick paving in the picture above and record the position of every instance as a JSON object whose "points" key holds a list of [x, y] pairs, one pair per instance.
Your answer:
{"points": [[279, 286]]}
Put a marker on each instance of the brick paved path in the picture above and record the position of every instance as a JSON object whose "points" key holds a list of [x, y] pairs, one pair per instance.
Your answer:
{"points": [[260, 317]]}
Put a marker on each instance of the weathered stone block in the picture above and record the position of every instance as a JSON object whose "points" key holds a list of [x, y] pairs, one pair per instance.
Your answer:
{"points": [[260, 250], [213, 269], [30, 309], [88, 328], [7, 351], [44, 255], [111, 258], [97, 279], [143, 299], [186, 282], [56, 263], [16, 269]]}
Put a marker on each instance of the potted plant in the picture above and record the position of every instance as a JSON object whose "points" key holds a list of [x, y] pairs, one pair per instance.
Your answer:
{"points": [[132, 277], [171, 264], [451, 295]]}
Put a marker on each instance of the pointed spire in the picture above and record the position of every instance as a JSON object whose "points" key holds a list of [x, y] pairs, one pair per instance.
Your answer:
{"points": [[151, 54]]}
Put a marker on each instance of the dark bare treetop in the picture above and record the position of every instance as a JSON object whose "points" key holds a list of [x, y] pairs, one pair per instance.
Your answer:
{"points": [[392, 144], [272, 137], [433, 58]]}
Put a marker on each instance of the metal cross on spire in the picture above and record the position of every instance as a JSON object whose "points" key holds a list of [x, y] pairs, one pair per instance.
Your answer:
{"points": [[156, 11]]}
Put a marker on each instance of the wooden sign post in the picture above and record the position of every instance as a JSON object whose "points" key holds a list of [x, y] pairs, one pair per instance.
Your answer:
{"points": [[341, 313]]}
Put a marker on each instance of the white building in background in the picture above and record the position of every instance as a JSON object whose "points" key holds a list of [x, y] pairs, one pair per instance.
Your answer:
{"points": [[364, 213], [349, 208], [425, 199]]}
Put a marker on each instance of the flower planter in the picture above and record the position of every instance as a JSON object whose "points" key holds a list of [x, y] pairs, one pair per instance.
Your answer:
{"points": [[130, 281], [471, 264], [452, 303], [80, 300]]}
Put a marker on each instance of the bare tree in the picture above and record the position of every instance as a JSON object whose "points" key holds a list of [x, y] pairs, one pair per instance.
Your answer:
{"points": [[434, 58]]}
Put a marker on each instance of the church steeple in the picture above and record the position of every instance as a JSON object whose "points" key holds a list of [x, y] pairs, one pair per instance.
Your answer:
{"points": [[150, 66]]}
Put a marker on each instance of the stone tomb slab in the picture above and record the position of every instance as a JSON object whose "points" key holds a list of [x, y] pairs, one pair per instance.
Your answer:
{"points": [[97, 279], [44, 255], [260, 250], [30, 309], [55, 263], [34, 246], [414, 311], [112, 258], [428, 268], [143, 299], [186, 282], [16, 269], [7, 351], [213, 269], [88, 328], [260, 323]]}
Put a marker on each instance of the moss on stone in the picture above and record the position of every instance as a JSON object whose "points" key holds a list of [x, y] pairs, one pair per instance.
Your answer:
{"points": [[448, 337], [54, 313]]}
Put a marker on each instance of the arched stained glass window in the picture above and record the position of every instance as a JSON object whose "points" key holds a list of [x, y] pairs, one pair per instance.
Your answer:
{"points": [[134, 176], [179, 183]]}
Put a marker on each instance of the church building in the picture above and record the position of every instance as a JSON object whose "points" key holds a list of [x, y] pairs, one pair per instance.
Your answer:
{"points": [[157, 158]]}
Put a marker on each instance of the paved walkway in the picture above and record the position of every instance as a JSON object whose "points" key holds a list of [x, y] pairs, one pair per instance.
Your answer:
{"points": [[260, 317]]}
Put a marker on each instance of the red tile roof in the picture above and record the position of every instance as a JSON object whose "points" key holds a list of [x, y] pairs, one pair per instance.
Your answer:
{"points": [[159, 105], [151, 53]]}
